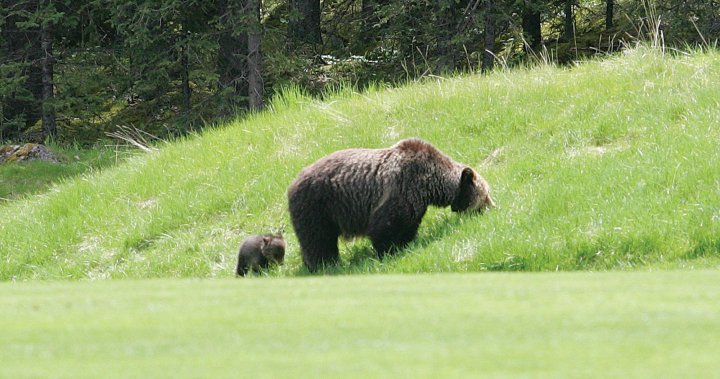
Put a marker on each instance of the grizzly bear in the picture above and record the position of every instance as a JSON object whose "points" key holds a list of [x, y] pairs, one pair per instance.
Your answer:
{"points": [[258, 252], [379, 193]]}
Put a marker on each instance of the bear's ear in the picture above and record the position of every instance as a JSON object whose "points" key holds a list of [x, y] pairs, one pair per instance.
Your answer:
{"points": [[266, 240], [466, 189]]}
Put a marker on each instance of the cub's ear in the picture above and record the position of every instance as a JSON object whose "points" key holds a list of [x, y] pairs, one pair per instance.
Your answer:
{"points": [[266, 240], [465, 192]]}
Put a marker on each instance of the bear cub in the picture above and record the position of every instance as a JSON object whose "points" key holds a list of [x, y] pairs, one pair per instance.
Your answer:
{"points": [[258, 252]]}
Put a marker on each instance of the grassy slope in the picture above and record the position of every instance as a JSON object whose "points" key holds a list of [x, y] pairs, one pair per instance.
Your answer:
{"points": [[608, 165], [560, 325], [31, 178]]}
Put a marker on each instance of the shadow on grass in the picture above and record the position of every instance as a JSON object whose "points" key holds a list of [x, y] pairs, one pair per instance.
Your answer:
{"points": [[509, 263], [22, 179], [704, 248], [608, 252]]}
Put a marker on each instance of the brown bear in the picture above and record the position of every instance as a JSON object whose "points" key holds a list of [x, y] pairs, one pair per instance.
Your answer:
{"points": [[379, 193], [258, 252]]}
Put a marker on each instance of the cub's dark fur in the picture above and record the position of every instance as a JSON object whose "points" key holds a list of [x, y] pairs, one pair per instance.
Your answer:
{"points": [[258, 252], [379, 193]]}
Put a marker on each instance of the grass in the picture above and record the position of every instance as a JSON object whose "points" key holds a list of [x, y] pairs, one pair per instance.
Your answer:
{"points": [[608, 165], [32, 178], [569, 325]]}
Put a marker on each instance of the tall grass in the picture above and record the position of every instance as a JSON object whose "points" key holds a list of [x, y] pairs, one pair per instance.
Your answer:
{"points": [[610, 164]]}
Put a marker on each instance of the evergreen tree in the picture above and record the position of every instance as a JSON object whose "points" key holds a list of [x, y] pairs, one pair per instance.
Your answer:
{"points": [[256, 89], [167, 45], [232, 55], [304, 24], [488, 55], [532, 24]]}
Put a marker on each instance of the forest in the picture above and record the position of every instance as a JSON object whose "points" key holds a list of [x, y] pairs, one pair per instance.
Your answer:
{"points": [[77, 70]]}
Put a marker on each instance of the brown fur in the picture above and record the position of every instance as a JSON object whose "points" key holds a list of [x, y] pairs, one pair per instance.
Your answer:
{"points": [[259, 252], [380, 193]]}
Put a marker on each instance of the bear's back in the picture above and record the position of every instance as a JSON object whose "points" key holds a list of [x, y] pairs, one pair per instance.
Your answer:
{"points": [[345, 186]]}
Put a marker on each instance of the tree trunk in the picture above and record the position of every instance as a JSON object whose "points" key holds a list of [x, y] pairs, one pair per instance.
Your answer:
{"points": [[48, 86], [532, 31], [609, 10], [569, 24], [304, 23], [185, 78], [488, 57], [255, 82], [232, 52]]}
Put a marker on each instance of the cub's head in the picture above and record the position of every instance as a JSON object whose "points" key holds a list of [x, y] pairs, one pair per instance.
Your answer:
{"points": [[473, 193], [273, 248]]}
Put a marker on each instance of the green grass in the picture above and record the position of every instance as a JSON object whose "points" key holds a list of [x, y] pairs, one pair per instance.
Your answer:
{"points": [[608, 165], [611, 165], [30, 178], [554, 325]]}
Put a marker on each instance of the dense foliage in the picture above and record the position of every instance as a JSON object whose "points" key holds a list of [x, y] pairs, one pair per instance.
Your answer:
{"points": [[77, 69]]}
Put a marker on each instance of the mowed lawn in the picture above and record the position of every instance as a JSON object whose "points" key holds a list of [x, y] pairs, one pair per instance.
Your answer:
{"points": [[556, 325]]}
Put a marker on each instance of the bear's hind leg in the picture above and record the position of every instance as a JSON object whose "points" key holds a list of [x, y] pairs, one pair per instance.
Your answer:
{"points": [[323, 253], [318, 245]]}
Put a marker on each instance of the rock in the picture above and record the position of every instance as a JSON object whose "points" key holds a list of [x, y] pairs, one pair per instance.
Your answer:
{"points": [[27, 152]]}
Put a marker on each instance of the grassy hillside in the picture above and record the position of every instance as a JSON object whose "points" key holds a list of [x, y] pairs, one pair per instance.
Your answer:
{"points": [[495, 325], [29, 178], [607, 165]]}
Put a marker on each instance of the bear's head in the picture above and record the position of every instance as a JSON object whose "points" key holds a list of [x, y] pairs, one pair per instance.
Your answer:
{"points": [[273, 248], [473, 194]]}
